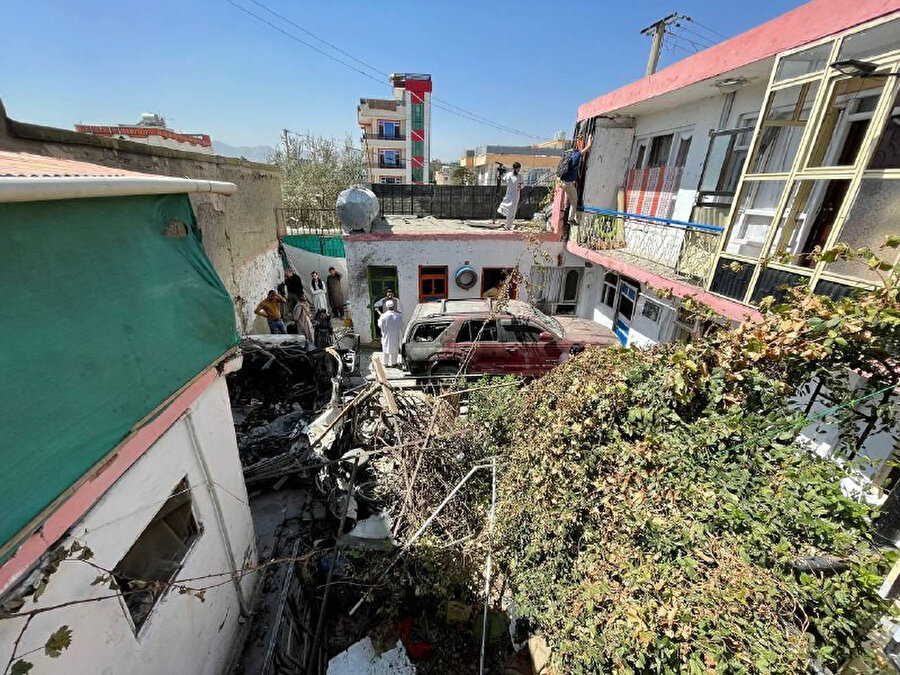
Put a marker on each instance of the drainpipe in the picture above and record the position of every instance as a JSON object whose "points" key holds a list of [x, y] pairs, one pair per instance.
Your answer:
{"points": [[220, 518], [44, 188]]}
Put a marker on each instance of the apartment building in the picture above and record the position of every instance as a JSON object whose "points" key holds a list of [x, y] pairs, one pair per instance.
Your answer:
{"points": [[538, 161], [397, 131]]}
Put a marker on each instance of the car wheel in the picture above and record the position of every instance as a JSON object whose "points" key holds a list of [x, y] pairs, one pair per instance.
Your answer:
{"points": [[443, 376]]}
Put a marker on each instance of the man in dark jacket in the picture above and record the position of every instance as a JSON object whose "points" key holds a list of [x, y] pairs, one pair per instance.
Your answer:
{"points": [[335, 293], [292, 289], [570, 177]]}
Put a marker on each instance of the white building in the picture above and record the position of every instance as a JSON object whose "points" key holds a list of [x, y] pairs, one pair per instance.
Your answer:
{"points": [[151, 130], [116, 426]]}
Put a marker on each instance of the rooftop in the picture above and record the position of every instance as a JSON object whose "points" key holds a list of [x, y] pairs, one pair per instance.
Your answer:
{"points": [[379, 103], [405, 226], [25, 165], [810, 22]]}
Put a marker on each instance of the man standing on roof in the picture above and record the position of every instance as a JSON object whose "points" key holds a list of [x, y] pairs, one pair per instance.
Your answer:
{"points": [[510, 203], [389, 323], [569, 178], [270, 310]]}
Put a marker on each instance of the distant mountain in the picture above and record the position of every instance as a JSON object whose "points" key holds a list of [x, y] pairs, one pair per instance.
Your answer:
{"points": [[255, 153]]}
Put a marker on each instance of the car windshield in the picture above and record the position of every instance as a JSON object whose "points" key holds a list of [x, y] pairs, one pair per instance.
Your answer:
{"points": [[550, 323]]}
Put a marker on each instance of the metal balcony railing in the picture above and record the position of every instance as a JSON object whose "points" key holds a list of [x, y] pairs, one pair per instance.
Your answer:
{"points": [[675, 248], [379, 136], [308, 221]]}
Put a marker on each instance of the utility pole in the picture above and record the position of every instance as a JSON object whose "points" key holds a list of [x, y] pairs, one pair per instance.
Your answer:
{"points": [[287, 144], [658, 31]]}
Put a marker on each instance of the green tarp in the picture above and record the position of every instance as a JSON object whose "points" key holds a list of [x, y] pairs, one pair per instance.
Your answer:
{"points": [[109, 306], [330, 246]]}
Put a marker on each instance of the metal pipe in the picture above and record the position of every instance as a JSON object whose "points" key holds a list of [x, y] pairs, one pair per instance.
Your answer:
{"points": [[44, 188], [655, 219], [487, 564]]}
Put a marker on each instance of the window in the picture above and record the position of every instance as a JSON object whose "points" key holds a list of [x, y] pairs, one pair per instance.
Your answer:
{"points": [[753, 217], [871, 42], [887, 152], [429, 332], [805, 62], [650, 310], [389, 130], [659, 150], [389, 180], [874, 215], [627, 298], [782, 127], [389, 158], [639, 158], [610, 284], [845, 121], [493, 278], [732, 278], [432, 283], [481, 331], [684, 146], [724, 162], [157, 554], [808, 218], [516, 330]]}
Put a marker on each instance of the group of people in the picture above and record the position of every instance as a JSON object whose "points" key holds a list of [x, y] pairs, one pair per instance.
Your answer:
{"points": [[568, 177], [312, 318]]}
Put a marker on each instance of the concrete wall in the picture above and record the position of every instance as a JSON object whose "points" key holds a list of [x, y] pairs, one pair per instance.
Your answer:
{"points": [[239, 232], [407, 254], [181, 634]]}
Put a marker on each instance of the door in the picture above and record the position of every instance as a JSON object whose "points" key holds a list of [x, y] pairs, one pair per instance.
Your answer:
{"points": [[478, 342], [432, 283], [626, 302], [525, 354], [380, 280]]}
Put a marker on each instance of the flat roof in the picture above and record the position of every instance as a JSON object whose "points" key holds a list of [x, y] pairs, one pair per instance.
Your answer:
{"points": [[807, 23], [27, 165]]}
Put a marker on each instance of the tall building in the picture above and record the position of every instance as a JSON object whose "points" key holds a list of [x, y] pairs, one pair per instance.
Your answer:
{"points": [[397, 131], [152, 130]]}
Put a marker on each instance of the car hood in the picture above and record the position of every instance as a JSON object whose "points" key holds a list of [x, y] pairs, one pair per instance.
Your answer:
{"points": [[586, 331]]}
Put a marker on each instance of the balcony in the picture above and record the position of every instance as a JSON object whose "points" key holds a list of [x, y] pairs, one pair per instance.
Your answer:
{"points": [[675, 249], [397, 164], [378, 136]]}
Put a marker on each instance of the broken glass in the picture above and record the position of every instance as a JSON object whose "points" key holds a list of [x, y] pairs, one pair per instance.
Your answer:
{"points": [[807, 219], [848, 114], [782, 127]]}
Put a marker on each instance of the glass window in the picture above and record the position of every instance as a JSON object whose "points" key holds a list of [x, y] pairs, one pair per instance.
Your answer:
{"points": [[753, 217], [639, 159], [808, 218], [875, 214], [659, 150], [802, 63], [845, 121], [469, 331], [887, 152], [610, 283], [782, 127], [684, 146], [725, 159], [429, 332], [516, 330], [871, 42]]}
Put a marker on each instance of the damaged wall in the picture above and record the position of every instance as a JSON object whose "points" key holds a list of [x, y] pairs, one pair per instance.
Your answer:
{"points": [[239, 232], [181, 634], [408, 254]]}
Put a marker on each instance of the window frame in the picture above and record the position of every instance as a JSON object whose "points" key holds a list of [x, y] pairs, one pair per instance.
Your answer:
{"points": [[432, 276]]}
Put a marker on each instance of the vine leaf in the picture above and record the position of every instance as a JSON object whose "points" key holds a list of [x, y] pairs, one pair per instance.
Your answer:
{"points": [[56, 643], [21, 667]]}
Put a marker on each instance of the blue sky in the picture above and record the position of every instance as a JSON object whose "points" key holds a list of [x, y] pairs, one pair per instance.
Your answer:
{"points": [[209, 67]]}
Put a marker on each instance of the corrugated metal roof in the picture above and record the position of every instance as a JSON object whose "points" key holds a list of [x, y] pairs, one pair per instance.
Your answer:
{"points": [[26, 165]]}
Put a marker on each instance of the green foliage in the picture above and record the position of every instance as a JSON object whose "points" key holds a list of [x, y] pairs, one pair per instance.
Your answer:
{"points": [[317, 169], [60, 640], [21, 667], [460, 175], [652, 501]]}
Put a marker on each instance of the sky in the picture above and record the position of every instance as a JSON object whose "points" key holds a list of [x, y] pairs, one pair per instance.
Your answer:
{"points": [[209, 67]]}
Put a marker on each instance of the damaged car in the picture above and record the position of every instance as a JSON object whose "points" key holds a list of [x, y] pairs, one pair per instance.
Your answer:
{"points": [[446, 337]]}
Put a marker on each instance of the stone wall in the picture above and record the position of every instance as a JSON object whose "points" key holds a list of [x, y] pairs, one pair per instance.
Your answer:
{"points": [[239, 232]]}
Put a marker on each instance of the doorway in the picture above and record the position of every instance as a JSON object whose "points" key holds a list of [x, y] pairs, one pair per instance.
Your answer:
{"points": [[493, 277], [380, 278], [626, 301]]}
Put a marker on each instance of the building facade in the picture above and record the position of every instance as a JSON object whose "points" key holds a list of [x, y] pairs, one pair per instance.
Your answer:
{"points": [[122, 485], [538, 162], [397, 132], [152, 130]]}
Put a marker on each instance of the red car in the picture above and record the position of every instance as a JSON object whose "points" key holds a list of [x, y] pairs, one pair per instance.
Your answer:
{"points": [[518, 339]]}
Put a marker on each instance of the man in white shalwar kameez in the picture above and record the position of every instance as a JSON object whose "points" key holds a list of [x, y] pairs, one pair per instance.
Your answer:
{"points": [[510, 203], [389, 323]]}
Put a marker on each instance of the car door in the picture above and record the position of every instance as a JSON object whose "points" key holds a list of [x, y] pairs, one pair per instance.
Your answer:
{"points": [[482, 352], [525, 353]]}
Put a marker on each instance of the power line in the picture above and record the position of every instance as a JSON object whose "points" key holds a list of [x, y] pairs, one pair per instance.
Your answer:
{"points": [[675, 36], [436, 102], [711, 30], [705, 40]]}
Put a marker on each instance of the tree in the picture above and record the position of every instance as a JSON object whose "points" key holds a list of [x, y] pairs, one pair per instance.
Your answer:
{"points": [[460, 175], [433, 167], [317, 169], [657, 512]]}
